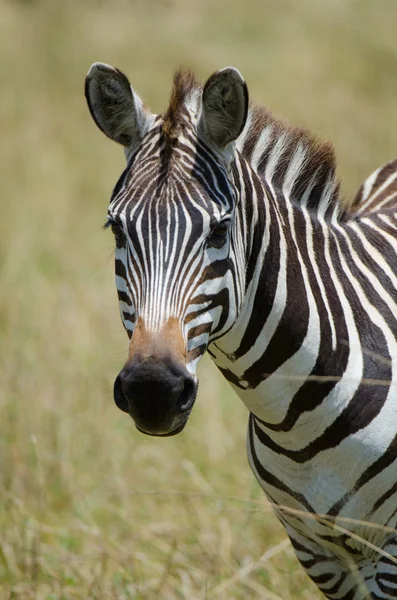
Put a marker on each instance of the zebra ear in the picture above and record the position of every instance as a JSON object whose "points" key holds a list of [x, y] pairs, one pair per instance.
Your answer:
{"points": [[224, 107], [114, 106]]}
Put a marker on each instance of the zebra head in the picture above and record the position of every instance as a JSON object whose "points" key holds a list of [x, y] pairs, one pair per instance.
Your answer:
{"points": [[180, 247]]}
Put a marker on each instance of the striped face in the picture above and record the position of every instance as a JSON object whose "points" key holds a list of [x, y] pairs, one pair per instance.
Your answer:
{"points": [[180, 268]]}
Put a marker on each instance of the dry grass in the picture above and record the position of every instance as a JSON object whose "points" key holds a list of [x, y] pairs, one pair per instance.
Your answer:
{"points": [[91, 509]]}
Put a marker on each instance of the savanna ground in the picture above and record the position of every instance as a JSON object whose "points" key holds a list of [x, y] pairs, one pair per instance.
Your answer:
{"points": [[90, 508]]}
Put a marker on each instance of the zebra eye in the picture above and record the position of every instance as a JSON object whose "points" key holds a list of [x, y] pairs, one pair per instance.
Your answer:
{"points": [[117, 232], [218, 235]]}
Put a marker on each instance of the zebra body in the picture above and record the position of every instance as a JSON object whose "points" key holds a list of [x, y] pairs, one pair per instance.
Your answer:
{"points": [[231, 238], [320, 407]]}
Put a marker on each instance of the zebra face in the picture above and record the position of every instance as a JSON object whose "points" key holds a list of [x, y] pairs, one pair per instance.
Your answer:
{"points": [[180, 270], [173, 273]]}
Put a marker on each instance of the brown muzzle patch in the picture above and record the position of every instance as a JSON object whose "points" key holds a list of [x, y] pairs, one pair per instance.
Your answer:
{"points": [[167, 342]]}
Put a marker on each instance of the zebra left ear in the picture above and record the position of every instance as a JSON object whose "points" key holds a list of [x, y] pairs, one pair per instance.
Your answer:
{"points": [[224, 107], [115, 107]]}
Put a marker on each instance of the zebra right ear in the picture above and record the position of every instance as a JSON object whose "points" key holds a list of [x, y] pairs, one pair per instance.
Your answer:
{"points": [[224, 107], [114, 106]]}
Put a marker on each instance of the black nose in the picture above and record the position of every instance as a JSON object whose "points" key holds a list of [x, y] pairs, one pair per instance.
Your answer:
{"points": [[158, 394]]}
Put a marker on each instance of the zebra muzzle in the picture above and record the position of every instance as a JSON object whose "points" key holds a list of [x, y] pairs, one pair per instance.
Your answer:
{"points": [[158, 394]]}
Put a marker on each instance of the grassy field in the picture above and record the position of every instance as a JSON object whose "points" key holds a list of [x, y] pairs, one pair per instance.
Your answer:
{"points": [[89, 508]]}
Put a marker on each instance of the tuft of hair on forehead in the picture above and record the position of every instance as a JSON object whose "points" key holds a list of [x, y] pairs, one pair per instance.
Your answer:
{"points": [[184, 92]]}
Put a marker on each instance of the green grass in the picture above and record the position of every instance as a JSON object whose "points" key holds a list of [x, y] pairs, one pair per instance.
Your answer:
{"points": [[91, 509]]}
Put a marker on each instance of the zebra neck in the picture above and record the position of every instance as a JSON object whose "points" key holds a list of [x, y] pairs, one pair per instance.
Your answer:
{"points": [[291, 345]]}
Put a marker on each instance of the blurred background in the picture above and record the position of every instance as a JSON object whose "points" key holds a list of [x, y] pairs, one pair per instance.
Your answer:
{"points": [[90, 508]]}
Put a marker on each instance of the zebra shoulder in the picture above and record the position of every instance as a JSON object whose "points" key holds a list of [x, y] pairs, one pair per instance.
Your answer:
{"points": [[378, 191]]}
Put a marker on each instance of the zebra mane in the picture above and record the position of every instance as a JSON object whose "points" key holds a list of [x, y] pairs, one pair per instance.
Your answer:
{"points": [[291, 160]]}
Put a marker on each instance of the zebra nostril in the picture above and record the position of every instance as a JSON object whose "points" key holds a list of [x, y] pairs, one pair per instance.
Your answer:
{"points": [[119, 397], [188, 395]]}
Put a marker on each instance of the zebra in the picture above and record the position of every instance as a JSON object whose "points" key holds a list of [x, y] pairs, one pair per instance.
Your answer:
{"points": [[232, 238]]}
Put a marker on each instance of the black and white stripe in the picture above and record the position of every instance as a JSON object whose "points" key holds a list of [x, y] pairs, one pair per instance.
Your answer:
{"points": [[296, 304]]}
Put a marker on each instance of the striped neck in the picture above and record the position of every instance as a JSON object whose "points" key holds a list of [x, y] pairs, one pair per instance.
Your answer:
{"points": [[291, 252]]}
